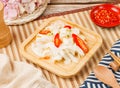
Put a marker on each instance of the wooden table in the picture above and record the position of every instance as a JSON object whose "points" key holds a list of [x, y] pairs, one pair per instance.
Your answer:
{"points": [[21, 32], [57, 6]]}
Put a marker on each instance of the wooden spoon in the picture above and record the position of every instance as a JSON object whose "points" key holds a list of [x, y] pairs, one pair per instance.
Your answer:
{"points": [[106, 76]]}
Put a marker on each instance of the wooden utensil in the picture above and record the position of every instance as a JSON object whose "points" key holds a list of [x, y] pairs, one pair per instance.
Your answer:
{"points": [[114, 57], [116, 63], [106, 76]]}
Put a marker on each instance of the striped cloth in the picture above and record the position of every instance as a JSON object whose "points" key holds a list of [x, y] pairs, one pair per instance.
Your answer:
{"points": [[92, 81]]}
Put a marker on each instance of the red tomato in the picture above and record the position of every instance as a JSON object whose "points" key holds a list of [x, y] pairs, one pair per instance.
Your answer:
{"points": [[79, 42], [106, 15], [57, 40]]}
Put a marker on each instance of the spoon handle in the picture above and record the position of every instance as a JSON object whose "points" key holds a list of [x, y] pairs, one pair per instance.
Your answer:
{"points": [[106, 76], [116, 85]]}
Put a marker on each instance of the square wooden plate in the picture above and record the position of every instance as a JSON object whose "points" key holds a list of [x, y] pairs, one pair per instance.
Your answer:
{"points": [[94, 41]]}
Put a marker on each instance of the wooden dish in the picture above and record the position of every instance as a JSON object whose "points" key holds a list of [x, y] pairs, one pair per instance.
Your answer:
{"points": [[28, 17], [94, 41]]}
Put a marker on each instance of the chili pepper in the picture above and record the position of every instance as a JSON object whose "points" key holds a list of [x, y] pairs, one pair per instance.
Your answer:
{"points": [[79, 42], [67, 26], [106, 17], [57, 40], [44, 31]]}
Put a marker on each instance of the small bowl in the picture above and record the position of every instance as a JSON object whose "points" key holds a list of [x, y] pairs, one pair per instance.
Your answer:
{"points": [[106, 15]]}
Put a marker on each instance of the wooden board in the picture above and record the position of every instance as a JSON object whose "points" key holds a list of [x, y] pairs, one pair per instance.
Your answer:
{"points": [[81, 1], [21, 32], [94, 41], [56, 6]]}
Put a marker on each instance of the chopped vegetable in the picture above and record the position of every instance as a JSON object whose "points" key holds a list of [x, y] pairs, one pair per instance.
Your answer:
{"points": [[79, 42], [44, 31], [57, 40], [106, 17], [67, 26], [14, 9]]}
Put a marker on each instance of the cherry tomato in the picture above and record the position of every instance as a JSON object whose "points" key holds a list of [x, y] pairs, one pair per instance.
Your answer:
{"points": [[79, 42], [106, 15], [57, 40]]}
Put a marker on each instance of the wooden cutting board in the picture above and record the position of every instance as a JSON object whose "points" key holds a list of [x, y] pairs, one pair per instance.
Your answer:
{"points": [[21, 32]]}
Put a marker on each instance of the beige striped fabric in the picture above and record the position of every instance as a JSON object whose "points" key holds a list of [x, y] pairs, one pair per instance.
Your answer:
{"points": [[21, 32]]}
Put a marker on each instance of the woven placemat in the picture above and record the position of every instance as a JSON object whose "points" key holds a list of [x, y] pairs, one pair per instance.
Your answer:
{"points": [[81, 17]]}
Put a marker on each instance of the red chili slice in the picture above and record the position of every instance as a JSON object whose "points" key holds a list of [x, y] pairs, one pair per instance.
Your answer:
{"points": [[79, 42], [57, 40], [67, 26], [44, 31]]}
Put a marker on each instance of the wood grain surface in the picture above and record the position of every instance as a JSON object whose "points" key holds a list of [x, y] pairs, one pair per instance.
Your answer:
{"points": [[81, 1], [56, 6]]}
